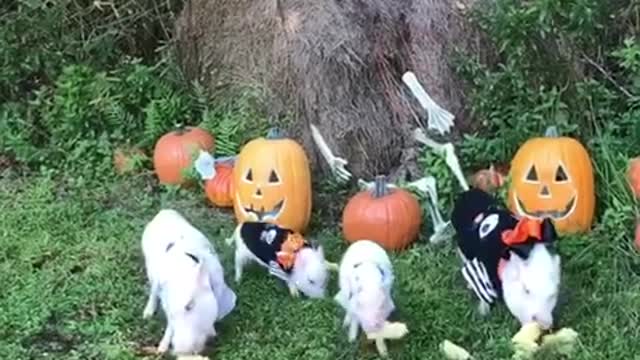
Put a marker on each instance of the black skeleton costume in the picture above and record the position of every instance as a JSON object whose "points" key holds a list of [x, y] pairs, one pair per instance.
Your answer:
{"points": [[487, 235], [273, 245]]}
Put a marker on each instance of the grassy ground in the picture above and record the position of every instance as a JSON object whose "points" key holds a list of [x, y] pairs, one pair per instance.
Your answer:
{"points": [[73, 286]]}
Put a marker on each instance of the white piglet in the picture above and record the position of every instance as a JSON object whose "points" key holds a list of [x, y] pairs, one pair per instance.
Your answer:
{"points": [[530, 287], [185, 273], [366, 278], [506, 257], [285, 253]]}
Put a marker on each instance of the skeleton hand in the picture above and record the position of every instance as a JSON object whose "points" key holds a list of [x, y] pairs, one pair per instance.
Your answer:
{"points": [[439, 119], [336, 164]]}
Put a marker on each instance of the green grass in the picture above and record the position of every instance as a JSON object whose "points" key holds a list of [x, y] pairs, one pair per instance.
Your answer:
{"points": [[73, 286]]}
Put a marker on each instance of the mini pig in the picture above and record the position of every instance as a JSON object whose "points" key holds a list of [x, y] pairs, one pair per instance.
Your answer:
{"points": [[186, 275], [285, 253], [529, 296], [366, 277], [506, 257]]}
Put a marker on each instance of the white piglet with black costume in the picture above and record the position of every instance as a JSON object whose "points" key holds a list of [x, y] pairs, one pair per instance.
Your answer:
{"points": [[507, 257], [366, 278], [285, 253], [185, 273]]}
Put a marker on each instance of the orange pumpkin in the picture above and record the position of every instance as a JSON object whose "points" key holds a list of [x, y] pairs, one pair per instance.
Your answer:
{"points": [[488, 180], [389, 216], [272, 182], [175, 152], [124, 159], [552, 177], [219, 190], [633, 176]]}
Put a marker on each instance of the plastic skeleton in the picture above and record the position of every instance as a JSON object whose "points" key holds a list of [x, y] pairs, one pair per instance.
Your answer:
{"points": [[439, 120]]}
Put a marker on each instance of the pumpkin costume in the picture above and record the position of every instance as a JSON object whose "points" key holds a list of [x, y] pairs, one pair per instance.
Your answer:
{"points": [[273, 245], [487, 235]]}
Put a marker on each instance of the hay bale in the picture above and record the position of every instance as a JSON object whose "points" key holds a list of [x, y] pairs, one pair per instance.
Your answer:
{"points": [[337, 64]]}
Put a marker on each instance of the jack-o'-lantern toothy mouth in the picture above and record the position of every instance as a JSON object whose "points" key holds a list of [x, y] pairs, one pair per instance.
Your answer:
{"points": [[261, 214], [542, 214]]}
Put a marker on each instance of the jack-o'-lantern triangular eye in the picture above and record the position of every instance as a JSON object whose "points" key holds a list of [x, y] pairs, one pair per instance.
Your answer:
{"points": [[249, 176], [273, 177], [561, 175], [532, 175]]}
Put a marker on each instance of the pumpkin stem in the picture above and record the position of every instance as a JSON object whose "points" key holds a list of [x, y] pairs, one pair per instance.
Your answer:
{"points": [[551, 131], [380, 187], [275, 134], [180, 129]]}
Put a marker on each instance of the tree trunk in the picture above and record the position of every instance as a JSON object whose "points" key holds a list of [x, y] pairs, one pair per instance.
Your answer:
{"points": [[337, 64]]}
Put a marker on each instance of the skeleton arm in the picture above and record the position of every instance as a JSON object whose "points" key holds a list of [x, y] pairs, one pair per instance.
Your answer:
{"points": [[439, 119], [337, 164]]}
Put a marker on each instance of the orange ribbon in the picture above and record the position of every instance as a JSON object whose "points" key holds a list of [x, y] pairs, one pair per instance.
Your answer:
{"points": [[287, 254], [525, 229]]}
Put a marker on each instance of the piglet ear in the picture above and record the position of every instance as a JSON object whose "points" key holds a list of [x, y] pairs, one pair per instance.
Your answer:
{"points": [[203, 276], [548, 231]]}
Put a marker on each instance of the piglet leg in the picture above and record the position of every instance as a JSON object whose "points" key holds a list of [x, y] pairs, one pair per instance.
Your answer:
{"points": [[381, 346], [293, 290], [152, 302], [166, 339], [347, 320], [241, 259], [484, 308], [353, 329]]}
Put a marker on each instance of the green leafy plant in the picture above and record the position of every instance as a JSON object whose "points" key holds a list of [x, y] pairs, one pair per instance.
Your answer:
{"points": [[573, 64]]}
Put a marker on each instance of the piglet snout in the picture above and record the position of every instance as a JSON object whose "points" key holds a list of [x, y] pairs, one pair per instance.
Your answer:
{"points": [[545, 321], [372, 325], [186, 342]]}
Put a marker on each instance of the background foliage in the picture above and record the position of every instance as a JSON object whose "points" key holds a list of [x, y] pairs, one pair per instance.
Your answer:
{"points": [[79, 79]]}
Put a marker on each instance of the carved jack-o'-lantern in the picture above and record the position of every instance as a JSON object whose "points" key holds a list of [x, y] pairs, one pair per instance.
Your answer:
{"points": [[272, 183], [552, 177]]}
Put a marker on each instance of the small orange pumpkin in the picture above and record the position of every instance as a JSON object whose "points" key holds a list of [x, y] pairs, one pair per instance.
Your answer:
{"points": [[389, 216], [552, 177], [219, 190], [175, 152], [488, 180], [633, 176], [124, 159]]}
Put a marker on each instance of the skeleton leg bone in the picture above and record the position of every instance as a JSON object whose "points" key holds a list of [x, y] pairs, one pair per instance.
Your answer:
{"points": [[448, 151], [427, 185]]}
